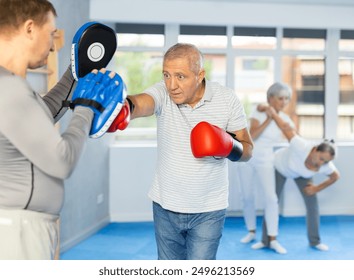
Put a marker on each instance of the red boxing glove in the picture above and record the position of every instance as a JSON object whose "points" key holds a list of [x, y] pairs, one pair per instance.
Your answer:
{"points": [[210, 140], [122, 120]]}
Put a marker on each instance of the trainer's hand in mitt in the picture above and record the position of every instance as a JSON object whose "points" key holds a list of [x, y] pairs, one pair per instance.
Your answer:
{"points": [[104, 92]]}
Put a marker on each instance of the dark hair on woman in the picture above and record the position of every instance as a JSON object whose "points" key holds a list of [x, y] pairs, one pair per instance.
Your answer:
{"points": [[327, 146]]}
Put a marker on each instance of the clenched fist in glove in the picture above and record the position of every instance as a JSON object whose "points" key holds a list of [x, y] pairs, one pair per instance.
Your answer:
{"points": [[209, 140], [122, 120]]}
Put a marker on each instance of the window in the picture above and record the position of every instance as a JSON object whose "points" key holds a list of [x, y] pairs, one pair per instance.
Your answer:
{"points": [[345, 110], [306, 76], [304, 39], [203, 36], [143, 35], [345, 129], [139, 61], [215, 68], [139, 70], [250, 59], [253, 76], [254, 38], [346, 42], [206, 38]]}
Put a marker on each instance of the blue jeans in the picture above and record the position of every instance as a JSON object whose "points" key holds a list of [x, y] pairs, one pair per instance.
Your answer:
{"points": [[182, 236]]}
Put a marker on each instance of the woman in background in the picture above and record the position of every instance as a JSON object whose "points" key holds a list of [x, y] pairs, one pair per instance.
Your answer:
{"points": [[300, 161], [259, 171]]}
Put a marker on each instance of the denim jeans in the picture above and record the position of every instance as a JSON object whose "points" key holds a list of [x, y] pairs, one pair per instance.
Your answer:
{"points": [[182, 236]]}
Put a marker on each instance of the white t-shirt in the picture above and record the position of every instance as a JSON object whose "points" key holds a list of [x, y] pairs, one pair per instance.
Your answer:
{"points": [[290, 161], [271, 136]]}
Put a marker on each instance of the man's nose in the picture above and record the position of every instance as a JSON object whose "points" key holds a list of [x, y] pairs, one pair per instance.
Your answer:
{"points": [[173, 83]]}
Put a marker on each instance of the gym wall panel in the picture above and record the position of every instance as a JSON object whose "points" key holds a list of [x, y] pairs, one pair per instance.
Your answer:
{"points": [[131, 173]]}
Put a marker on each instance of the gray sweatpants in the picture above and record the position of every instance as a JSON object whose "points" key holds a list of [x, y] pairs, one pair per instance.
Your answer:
{"points": [[312, 210]]}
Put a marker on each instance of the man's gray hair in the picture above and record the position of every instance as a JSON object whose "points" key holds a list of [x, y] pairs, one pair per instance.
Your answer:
{"points": [[189, 51]]}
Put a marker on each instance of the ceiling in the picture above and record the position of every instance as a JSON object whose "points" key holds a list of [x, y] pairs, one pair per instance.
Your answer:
{"points": [[293, 2]]}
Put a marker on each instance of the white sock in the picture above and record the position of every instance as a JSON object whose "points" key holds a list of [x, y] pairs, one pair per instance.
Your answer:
{"points": [[322, 247], [275, 245], [248, 238], [258, 245]]}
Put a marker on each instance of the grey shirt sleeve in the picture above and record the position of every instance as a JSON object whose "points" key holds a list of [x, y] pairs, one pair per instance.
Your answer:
{"points": [[27, 123], [62, 91]]}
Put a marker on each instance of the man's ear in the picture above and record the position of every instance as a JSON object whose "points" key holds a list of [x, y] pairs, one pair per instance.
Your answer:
{"points": [[201, 75], [28, 28]]}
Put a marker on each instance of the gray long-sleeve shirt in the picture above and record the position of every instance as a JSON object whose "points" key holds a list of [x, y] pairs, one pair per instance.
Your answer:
{"points": [[34, 157]]}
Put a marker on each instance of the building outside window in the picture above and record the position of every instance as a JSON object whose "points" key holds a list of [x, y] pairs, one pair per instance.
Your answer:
{"points": [[345, 129], [253, 76]]}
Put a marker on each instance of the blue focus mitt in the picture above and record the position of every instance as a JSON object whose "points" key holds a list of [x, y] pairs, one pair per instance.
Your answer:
{"points": [[104, 94], [93, 47]]}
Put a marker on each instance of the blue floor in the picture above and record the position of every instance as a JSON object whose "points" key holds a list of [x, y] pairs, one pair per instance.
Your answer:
{"points": [[135, 241]]}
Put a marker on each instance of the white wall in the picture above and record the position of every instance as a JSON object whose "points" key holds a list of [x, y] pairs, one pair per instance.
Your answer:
{"points": [[214, 12], [131, 173], [131, 169]]}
